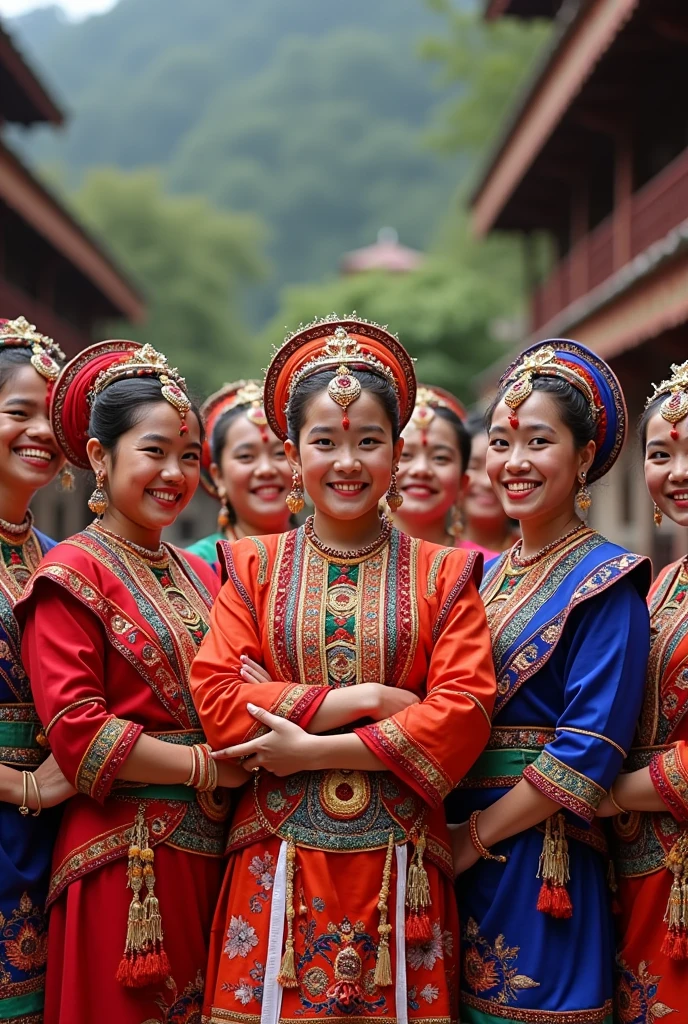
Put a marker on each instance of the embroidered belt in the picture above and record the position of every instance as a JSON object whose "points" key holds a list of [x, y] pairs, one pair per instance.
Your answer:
{"points": [[498, 769], [19, 726]]}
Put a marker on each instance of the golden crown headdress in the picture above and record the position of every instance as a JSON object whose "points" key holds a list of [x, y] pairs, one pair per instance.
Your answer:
{"points": [[543, 362], [46, 353], [674, 408], [339, 351], [148, 362]]}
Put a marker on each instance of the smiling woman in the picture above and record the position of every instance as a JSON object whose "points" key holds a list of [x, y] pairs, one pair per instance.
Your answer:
{"points": [[570, 639], [342, 839], [111, 623]]}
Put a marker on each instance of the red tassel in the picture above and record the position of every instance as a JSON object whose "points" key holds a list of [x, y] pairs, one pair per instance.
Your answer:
{"points": [[561, 902], [544, 903], [124, 971], [418, 929], [345, 992]]}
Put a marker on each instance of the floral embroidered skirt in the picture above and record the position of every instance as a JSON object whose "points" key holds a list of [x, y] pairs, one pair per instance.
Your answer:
{"points": [[86, 933], [518, 964], [649, 985], [335, 899]]}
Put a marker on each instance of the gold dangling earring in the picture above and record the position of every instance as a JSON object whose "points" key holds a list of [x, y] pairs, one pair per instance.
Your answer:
{"points": [[657, 514], [294, 499], [455, 528], [394, 499], [583, 498], [66, 478], [223, 517], [98, 502]]}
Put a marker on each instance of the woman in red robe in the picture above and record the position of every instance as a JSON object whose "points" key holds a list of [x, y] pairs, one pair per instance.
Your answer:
{"points": [[111, 623], [650, 801], [338, 896]]}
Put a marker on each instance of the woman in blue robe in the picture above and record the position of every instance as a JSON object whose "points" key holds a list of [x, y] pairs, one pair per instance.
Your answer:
{"points": [[29, 459], [570, 641]]}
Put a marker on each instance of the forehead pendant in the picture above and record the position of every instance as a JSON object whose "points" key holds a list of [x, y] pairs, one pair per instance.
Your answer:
{"points": [[674, 409], [344, 389], [422, 417]]}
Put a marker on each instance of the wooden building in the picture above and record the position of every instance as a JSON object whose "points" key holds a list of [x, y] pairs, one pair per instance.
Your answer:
{"points": [[51, 270], [595, 154]]}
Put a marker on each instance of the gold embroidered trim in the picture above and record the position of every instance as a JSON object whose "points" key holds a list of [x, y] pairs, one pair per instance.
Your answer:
{"points": [[491, 1009], [471, 696], [99, 751], [595, 735], [262, 560], [425, 767], [564, 784], [220, 1016], [434, 570], [70, 707]]}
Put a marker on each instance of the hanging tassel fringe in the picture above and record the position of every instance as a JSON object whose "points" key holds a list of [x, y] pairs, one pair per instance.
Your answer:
{"points": [[383, 966], [418, 926], [675, 944], [287, 973], [144, 961], [553, 869]]}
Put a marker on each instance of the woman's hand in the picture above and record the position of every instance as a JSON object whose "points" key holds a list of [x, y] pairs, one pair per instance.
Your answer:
{"points": [[284, 750], [53, 786], [464, 853], [252, 672]]}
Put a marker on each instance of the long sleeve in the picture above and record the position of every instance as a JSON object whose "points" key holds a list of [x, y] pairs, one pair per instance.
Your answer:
{"points": [[218, 690], [604, 683], [669, 774], [432, 745], [63, 649]]}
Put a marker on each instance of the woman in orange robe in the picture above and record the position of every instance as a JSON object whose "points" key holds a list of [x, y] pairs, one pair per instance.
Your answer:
{"points": [[111, 622], [338, 896], [652, 831]]}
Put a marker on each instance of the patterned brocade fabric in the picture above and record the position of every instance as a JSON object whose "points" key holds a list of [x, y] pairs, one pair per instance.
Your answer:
{"points": [[565, 785]]}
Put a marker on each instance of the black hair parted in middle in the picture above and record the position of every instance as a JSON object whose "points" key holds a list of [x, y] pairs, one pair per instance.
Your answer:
{"points": [[307, 389], [122, 405]]}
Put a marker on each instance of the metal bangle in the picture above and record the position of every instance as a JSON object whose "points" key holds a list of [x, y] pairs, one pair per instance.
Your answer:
{"points": [[24, 808]]}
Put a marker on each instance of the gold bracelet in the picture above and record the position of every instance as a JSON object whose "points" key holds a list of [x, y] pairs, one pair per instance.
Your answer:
{"points": [[194, 765], [475, 839], [37, 791], [24, 808], [620, 809]]}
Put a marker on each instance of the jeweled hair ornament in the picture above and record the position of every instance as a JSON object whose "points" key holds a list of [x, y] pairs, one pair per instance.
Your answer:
{"points": [[341, 345], [240, 394], [428, 400], [674, 408], [148, 362], [46, 354], [585, 371]]}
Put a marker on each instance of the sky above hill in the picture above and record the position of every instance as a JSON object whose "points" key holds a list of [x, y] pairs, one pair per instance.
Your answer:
{"points": [[73, 8]]}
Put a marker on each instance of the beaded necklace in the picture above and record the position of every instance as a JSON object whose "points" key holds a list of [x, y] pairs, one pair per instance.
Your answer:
{"points": [[348, 556], [137, 549]]}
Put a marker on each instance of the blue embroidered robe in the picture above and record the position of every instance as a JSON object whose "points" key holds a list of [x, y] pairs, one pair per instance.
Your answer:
{"points": [[25, 842], [570, 640]]}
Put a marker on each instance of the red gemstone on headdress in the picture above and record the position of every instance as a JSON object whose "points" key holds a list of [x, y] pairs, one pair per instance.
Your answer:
{"points": [[264, 435], [346, 423], [674, 434], [513, 421], [344, 382], [424, 439], [675, 399], [183, 430], [46, 360]]}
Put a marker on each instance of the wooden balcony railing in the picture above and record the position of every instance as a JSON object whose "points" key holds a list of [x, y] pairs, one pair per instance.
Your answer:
{"points": [[14, 302], [662, 204]]}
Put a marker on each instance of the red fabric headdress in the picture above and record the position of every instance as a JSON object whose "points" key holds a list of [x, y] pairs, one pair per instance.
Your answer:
{"points": [[430, 397], [327, 345], [246, 394]]}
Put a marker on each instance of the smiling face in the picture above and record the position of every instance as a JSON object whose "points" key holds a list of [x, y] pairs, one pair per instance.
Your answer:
{"points": [[535, 467], [430, 477], [254, 475], [151, 474], [345, 472], [29, 455], [666, 467], [481, 504]]}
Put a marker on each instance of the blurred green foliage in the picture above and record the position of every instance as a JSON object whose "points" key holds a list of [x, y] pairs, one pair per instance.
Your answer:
{"points": [[190, 261]]}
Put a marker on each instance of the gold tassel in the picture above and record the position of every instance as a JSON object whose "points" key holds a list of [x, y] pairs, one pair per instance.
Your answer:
{"points": [[383, 966], [418, 926], [675, 944], [553, 869], [287, 974]]}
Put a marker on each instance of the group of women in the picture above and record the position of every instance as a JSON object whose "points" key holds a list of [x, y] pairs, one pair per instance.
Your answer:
{"points": [[423, 754]]}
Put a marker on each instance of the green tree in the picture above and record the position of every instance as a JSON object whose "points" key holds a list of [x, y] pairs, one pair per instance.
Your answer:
{"points": [[190, 260], [445, 313], [489, 62]]}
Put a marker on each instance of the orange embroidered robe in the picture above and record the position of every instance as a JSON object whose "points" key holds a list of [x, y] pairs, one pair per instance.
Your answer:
{"points": [[109, 637], [407, 615]]}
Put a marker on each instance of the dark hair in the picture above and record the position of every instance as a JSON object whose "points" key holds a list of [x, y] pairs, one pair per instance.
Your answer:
{"points": [[647, 415], [122, 405], [463, 438], [218, 438], [11, 360], [310, 387], [573, 408]]}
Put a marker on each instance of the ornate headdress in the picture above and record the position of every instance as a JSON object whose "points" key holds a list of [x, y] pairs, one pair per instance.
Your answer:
{"points": [[674, 408], [96, 368], [241, 394], [428, 400], [340, 346], [590, 375], [46, 354]]}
